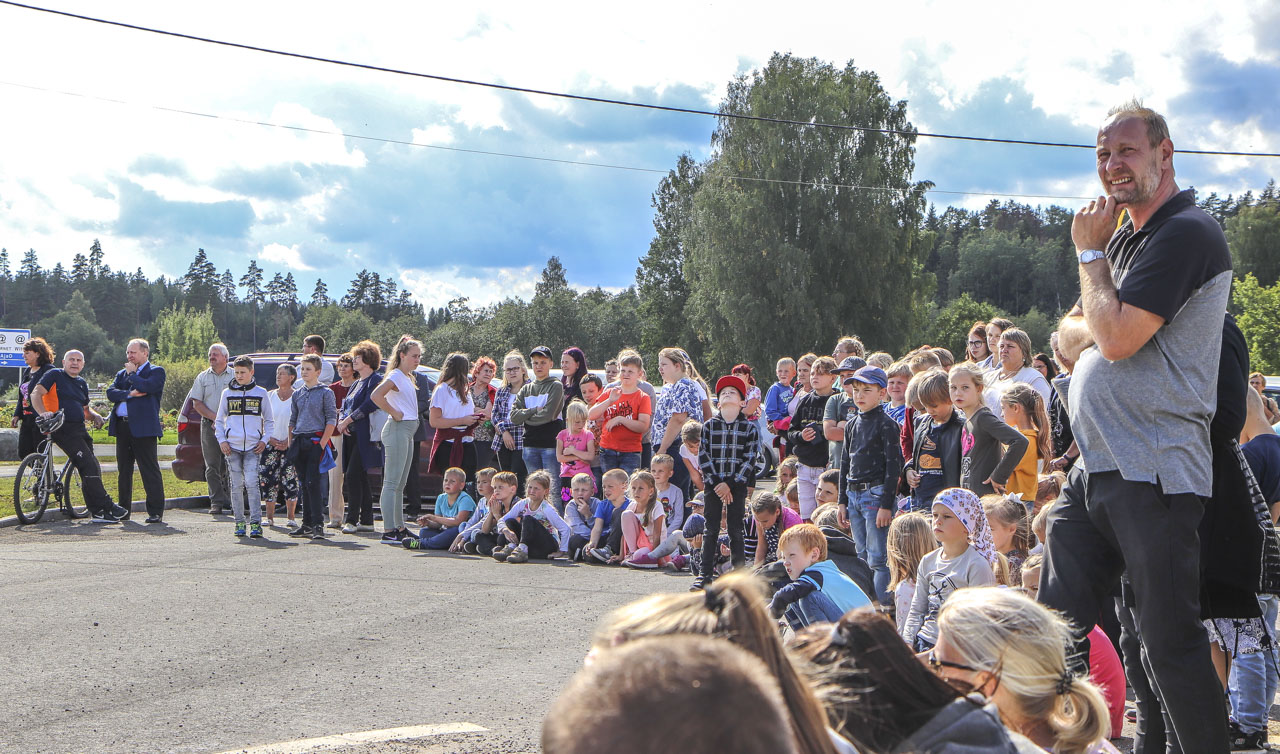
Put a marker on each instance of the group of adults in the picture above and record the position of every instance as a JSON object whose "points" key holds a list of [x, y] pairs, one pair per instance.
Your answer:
{"points": [[133, 420]]}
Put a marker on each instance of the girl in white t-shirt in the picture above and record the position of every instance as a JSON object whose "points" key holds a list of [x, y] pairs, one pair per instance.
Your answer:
{"points": [[397, 394], [644, 524], [454, 417]]}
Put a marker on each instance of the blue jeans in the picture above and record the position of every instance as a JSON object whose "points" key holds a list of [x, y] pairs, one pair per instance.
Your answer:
{"points": [[815, 607], [1254, 677], [870, 539], [617, 459], [544, 458], [243, 465], [437, 539]]}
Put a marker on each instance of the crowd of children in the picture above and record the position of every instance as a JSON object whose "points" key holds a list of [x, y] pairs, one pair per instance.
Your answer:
{"points": [[898, 486]]}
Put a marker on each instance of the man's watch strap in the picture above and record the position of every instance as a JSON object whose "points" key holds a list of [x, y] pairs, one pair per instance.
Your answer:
{"points": [[1091, 255]]}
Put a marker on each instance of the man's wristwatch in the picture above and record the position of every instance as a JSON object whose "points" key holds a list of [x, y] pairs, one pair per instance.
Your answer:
{"points": [[1091, 255]]}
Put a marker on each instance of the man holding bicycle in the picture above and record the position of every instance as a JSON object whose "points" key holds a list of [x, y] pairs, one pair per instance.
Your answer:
{"points": [[66, 391]]}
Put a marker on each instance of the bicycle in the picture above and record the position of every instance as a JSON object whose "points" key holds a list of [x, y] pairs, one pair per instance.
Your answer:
{"points": [[36, 481]]}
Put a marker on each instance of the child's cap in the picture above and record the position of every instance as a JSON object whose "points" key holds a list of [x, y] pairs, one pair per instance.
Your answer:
{"points": [[869, 375], [734, 382], [542, 351], [850, 364], [697, 500]]}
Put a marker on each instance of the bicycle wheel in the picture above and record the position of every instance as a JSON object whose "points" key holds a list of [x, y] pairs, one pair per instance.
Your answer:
{"points": [[72, 486], [31, 488]]}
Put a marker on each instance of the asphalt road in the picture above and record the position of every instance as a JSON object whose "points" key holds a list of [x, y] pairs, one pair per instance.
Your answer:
{"points": [[181, 638]]}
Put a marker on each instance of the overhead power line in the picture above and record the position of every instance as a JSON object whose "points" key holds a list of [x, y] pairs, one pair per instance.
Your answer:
{"points": [[510, 155], [586, 98]]}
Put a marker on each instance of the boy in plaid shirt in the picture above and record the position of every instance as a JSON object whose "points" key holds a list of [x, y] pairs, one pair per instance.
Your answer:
{"points": [[730, 444]]}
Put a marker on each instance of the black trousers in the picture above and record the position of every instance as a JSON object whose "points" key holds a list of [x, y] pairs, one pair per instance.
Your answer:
{"points": [[355, 482], [28, 437], [534, 536], [1149, 737], [486, 542], [513, 461], [308, 466], [713, 509], [142, 451], [74, 441], [1105, 525]]}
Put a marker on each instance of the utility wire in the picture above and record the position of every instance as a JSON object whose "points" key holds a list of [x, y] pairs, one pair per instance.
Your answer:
{"points": [[511, 155], [585, 98]]}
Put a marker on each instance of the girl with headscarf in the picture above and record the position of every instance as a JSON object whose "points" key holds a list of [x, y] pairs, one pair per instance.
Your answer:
{"points": [[966, 558]]}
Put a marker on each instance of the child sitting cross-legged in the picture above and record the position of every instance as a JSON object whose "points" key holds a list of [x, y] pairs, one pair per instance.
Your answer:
{"points": [[644, 525], [606, 527], [485, 537], [819, 591], [465, 541], [533, 527], [453, 509], [580, 513]]}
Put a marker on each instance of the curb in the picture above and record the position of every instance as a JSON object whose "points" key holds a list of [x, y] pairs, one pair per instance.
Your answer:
{"points": [[138, 506]]}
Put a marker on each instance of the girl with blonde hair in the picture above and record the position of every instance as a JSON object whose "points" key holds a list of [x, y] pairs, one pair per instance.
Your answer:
{"points": [[910, 538]]}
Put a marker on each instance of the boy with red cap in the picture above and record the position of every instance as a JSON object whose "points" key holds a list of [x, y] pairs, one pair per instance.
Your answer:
{"points": [[729, 446]]}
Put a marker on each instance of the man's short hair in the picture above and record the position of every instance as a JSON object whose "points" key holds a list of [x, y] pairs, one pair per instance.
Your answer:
{"points": [[140, 343], [456, 473], [628, 692], [630, 358], [313, 359], [615, 475], [1157, 128], [314, 341], [830, 476], [242, 362], [929, 388], [508, 478], [220, 348], [583, 477], [808, 536], [662, 459]]}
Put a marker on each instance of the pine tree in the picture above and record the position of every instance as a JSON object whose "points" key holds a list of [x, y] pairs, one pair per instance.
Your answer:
{"points": [[252, 284], [79, 269], [96, 266], [320, 296]]}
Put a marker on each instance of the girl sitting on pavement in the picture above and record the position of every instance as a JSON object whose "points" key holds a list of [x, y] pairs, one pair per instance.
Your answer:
{"points": [[644, 524], [534, 529]]}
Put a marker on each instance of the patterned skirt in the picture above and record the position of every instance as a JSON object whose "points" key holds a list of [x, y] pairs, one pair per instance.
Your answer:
{"points": [[276, 475]]}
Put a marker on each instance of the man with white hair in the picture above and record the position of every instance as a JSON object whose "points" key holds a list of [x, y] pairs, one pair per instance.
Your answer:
{"points": [[205, 395], [135, 423], [66, 391]]}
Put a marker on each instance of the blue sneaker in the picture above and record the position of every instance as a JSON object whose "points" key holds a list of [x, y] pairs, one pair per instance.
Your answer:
{"points": [[240, 529], [255, 530]]}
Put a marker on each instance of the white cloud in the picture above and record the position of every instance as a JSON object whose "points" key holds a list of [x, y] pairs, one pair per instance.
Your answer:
{"points": [[437, 286], [286, 256]]}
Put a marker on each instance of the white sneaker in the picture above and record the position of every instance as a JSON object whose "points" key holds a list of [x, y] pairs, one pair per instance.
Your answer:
{"points": [[334, 525], [291, 523], [348, 528]]}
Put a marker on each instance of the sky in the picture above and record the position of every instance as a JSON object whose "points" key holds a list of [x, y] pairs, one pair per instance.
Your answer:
{"points": [[93, 147]]}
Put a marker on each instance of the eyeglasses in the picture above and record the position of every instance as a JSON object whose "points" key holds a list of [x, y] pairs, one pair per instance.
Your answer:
{"points": [[937, 665], [977, 342]]}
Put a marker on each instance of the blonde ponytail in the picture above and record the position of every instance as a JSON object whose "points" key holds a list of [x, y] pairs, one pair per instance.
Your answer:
{"points": [[1079, 717]]}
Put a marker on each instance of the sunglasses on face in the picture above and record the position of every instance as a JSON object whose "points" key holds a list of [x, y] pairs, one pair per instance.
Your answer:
{"points": [[937, 665]]}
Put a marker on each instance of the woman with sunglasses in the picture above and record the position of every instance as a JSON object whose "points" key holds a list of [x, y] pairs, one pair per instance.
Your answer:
{"points": [[886, 699], [1013, 650]]}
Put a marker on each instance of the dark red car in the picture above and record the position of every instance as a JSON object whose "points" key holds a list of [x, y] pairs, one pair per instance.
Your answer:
{"points": [[188, 462]]}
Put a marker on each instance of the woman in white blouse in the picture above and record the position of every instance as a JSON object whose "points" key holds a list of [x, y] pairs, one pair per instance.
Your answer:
{"points": [[1014, 365]]}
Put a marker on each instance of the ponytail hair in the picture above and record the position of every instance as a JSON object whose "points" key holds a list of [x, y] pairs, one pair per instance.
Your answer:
{"points": [[1023, 645], [402, 347], [1022, 394], [455, 373], [732, 607]]}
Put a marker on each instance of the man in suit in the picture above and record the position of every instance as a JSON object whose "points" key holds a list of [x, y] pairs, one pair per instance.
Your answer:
{"points": [[135, 423]]}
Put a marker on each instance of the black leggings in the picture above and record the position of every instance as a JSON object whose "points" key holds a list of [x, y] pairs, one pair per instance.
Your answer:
{"points": [[534, 536], [485, 543], [712, 510]]}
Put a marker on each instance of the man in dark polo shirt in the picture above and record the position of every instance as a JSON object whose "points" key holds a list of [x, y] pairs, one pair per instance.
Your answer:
{"points": [[1146, 337]]}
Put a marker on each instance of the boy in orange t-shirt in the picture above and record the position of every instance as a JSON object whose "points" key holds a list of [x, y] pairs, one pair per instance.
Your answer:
{"points": [[624, 413]]}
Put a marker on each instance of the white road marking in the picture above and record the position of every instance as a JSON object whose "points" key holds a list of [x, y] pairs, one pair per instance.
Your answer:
{"points": [[339, 740]]}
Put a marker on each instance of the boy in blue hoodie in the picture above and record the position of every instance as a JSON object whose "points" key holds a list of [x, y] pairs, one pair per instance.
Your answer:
{"points": [[819, 591], [242, 426]]}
